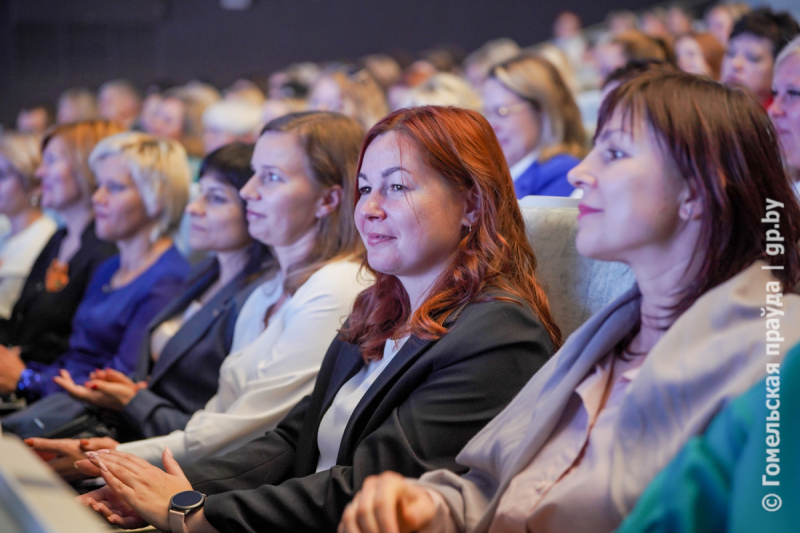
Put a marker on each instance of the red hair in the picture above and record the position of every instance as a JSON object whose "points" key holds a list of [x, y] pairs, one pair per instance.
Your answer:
{"points": [[494, 257]]}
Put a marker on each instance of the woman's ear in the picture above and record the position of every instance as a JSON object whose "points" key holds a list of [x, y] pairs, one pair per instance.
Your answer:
{"points": [[329, 202], [472, 208], [691, 205]]}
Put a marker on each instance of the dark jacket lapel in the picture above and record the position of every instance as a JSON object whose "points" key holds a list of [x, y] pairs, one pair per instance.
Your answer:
{"points": [[410, 352], [205, 274]]}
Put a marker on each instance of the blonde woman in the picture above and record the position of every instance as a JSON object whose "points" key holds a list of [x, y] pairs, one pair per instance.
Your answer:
{"points": [[142, 189], [19, 201], [537, 122], [356, 95]]}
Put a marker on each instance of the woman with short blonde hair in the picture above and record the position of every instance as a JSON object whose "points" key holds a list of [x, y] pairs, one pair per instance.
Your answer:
{"points": [[158, 168], [142, 186]]}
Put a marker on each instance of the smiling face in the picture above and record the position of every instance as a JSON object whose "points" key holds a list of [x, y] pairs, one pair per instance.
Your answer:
{"points": [[283, 201], [120, 212], [217, 217], [514, 120], [748, 61], [632, 195], [410, 220], [60, 188], [14, 197], [690, 57], [785, 108]]}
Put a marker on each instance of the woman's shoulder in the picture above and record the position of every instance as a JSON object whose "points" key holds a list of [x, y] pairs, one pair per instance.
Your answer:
{"points": [[171, 264], [342, 276], [498, 316]]}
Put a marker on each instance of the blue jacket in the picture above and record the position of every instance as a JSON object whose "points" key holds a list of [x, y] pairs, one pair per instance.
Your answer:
{"points": [[110, 323], [548, 178]]}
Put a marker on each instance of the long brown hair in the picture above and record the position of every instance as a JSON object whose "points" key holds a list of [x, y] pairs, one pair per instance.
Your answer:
{"points": [[534, 79], [330, 143], [494, 257], [724, 145]]}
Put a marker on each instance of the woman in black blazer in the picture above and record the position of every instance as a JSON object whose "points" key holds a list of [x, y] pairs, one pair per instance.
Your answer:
{"points": [[41, 321], [451, 330], [187, 341]]}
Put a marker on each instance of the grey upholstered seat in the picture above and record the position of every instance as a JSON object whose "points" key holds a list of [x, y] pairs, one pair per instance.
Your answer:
{"points": [[576, 286]]}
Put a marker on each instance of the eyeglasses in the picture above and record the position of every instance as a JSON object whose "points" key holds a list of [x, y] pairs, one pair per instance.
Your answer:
{"points": [[506, 110]]}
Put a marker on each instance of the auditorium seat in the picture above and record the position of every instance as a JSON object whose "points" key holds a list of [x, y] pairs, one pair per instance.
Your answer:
{"points": [[576, 286]]}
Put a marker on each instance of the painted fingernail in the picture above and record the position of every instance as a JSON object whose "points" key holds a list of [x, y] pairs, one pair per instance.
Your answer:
{"points": [[91, 455], [169, 452], [102, 465], [104, 451]]}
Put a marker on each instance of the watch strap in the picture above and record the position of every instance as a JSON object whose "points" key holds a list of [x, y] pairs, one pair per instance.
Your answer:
{"points": [[177, 521]]}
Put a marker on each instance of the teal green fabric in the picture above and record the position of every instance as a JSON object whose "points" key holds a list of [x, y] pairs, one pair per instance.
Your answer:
{"points": [[714, 484]]}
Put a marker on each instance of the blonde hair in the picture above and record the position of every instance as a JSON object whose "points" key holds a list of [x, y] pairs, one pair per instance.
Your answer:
{"points": [[79, 140], [23, 153], [364, 92], [791, 49], [536, 80], [444, 89], [196, 97], [160, 170]]}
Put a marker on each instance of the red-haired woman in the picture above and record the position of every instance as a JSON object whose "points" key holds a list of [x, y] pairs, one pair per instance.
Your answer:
{"points": [[577, 447], [453, 327]]}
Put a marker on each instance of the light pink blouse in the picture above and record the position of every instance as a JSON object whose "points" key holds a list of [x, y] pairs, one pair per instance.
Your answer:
{"points": [[566, 487]]}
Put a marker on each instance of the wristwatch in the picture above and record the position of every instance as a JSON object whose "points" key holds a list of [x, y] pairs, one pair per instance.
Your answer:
{"points": [[181, 505]]}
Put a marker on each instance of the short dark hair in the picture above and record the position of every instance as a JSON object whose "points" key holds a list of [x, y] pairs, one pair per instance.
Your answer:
{"points": [[778, 28], [230, 163]]}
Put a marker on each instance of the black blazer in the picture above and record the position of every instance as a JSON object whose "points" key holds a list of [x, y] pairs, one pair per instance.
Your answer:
{"points": [[428, 402], [186, 374], [41, 322]]}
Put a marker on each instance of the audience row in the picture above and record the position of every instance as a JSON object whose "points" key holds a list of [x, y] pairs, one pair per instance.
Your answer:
{"points": [[367, 345]]}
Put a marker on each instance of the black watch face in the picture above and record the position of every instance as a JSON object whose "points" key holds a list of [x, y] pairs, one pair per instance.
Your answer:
{"points": [[187, 500]]}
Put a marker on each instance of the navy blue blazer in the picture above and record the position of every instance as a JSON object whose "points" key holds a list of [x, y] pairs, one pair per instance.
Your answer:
{"points": [[548, 178], [186, 374], [417, 415]]}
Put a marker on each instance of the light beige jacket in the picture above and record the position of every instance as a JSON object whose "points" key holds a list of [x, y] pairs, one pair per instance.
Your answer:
{"points": [[715, 351]]}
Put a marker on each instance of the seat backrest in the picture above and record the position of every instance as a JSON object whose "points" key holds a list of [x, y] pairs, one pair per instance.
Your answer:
{"points": [[576, 287]]}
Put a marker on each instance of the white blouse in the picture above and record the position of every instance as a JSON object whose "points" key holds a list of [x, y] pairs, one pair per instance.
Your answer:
{"points": [[333, 424], [269, 370], [17, 255]]}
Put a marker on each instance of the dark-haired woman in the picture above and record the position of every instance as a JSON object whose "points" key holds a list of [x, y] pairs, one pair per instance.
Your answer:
{"points": [[455, 323], [756, 40], [184, 344], [577, 447]]}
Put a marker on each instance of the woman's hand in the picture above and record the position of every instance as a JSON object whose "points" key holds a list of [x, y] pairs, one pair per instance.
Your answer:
{"points": [[388, 504], [108, 389], [146, 489], [113, 508], [61, 454], [11, 367]]}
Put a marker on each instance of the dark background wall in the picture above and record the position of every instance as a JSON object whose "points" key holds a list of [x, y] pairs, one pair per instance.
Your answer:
{"points": [[49, 45]]}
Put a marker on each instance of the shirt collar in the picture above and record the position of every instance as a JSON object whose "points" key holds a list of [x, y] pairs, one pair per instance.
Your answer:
{"points": [[519, 168]]}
